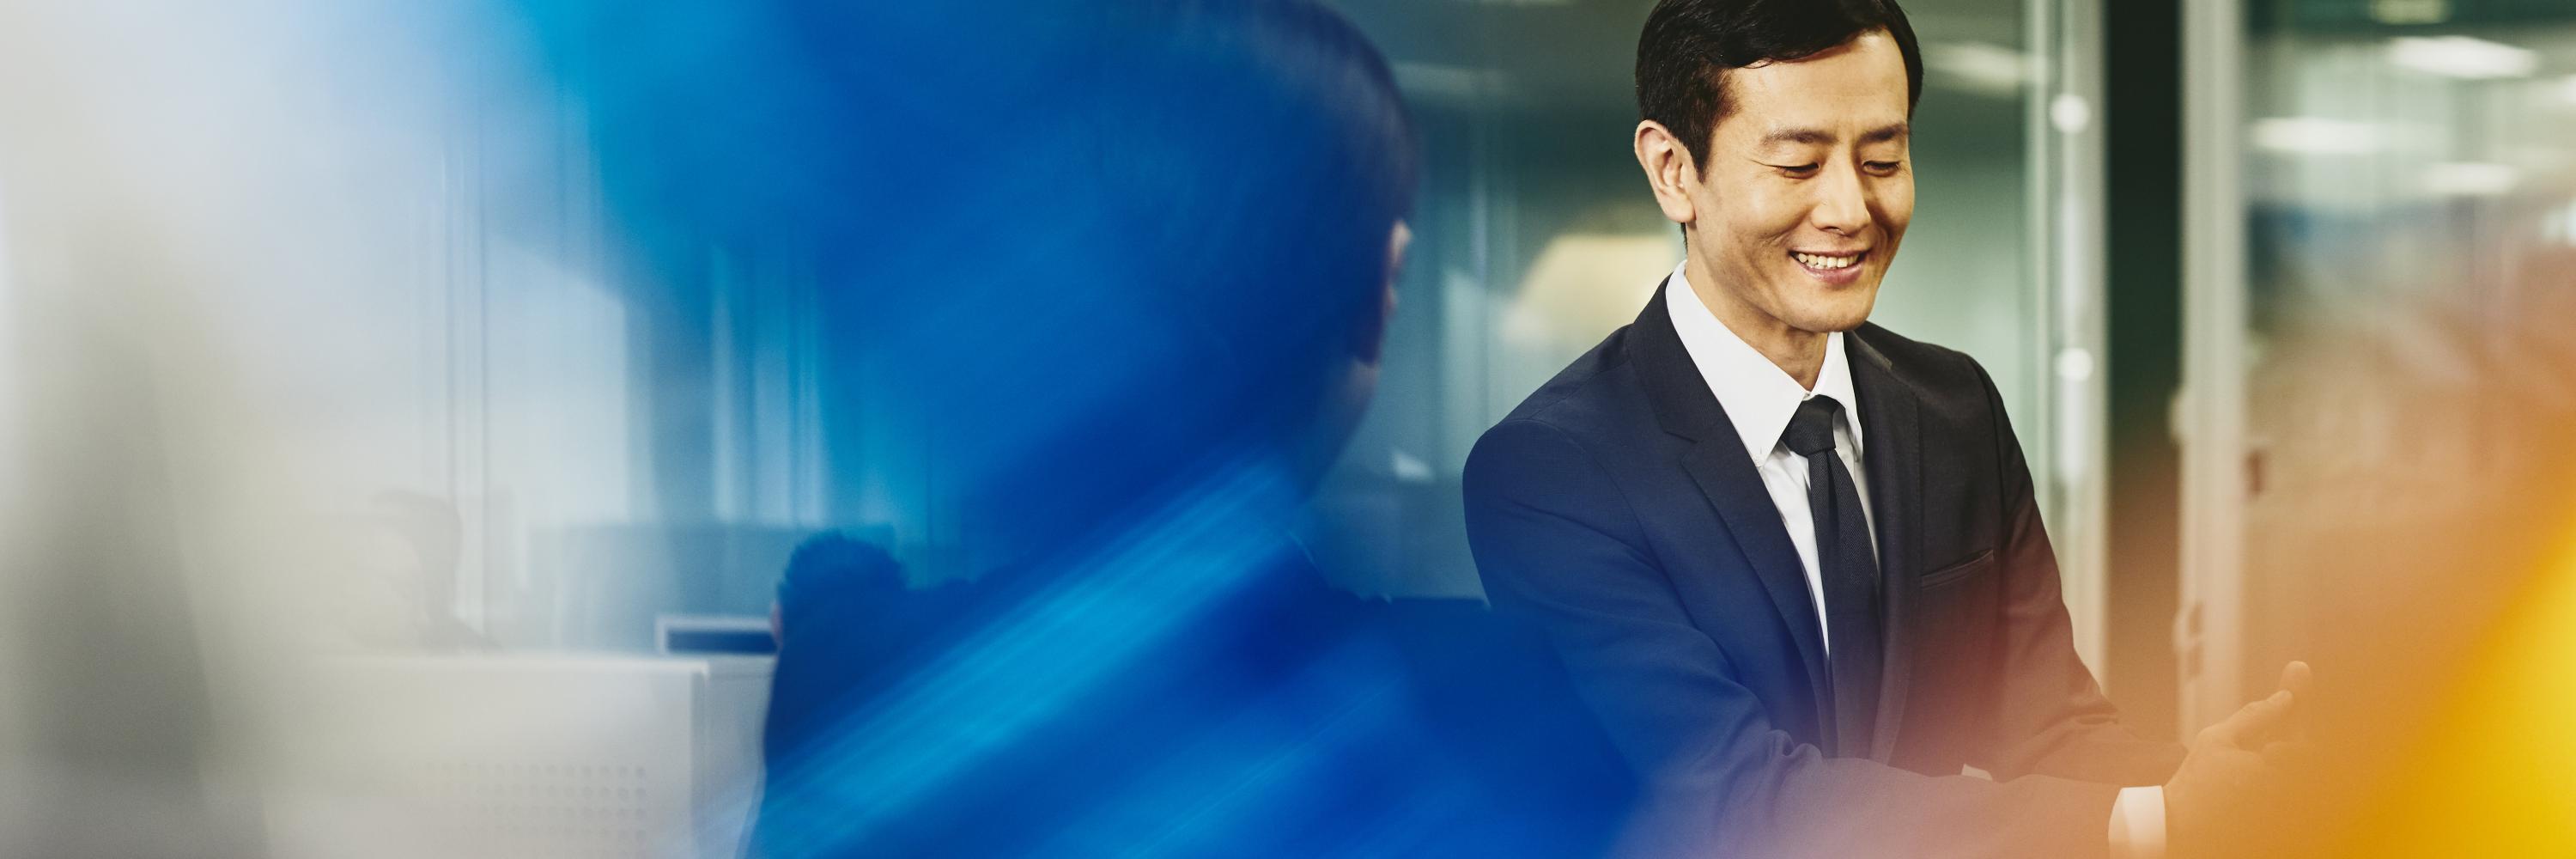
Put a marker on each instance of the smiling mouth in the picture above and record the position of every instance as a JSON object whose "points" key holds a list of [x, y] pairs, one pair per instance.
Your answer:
{"points": [[1828, 263]]}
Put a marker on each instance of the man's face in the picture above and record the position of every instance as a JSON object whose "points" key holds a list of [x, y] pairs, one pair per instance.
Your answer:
{"points": [[1808, 186]]}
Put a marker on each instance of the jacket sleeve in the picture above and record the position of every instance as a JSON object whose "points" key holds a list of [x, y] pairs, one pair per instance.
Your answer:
{"points": [[2054, 719], [1554, 538]]}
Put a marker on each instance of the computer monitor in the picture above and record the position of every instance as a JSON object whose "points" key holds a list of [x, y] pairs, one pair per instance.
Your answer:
{"points": [[713, 635]]}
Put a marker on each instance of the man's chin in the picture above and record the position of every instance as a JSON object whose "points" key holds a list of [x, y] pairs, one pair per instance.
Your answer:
{"points": [[1820, 310], [1829, 320]]}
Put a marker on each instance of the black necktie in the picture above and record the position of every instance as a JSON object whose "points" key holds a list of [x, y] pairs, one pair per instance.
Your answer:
{"points": [[1849, 570]]}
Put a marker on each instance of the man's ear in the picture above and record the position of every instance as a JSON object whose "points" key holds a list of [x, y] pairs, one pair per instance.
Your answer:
{"points": [[1372, 339], [1669, 170]]}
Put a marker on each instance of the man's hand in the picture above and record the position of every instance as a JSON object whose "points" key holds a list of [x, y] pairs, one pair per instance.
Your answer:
{"points": [[2219, 803]]}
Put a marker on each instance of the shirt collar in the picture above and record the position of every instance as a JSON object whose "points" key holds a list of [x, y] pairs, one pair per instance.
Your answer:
{"points": [[1758, 396]]}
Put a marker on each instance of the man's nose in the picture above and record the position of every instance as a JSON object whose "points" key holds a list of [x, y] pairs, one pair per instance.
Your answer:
{"points": [[1842, 202]]}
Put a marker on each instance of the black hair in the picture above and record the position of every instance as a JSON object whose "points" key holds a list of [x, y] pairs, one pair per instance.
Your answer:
{"points": [[1213, 248], [1266, 144], [1689, 45]]}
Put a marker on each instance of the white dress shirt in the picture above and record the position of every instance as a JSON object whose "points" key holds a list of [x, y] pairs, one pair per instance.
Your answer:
{"points": [[1759, 398]]}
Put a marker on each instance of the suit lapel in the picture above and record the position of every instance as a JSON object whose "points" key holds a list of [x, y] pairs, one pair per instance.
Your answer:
{"points": [[1892, 448], [1716, 462], [1735, 489]]}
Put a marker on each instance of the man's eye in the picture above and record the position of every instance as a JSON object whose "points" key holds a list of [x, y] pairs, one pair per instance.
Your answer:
{"points": [[1882, 166], [1797, 169]]}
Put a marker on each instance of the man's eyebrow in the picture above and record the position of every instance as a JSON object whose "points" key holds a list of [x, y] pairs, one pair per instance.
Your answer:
{"points": [[1821, 137], [1809, 136], [1885, 133]]}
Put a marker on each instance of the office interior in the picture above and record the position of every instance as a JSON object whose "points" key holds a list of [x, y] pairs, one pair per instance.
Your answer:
{"points": [[329, 338]]}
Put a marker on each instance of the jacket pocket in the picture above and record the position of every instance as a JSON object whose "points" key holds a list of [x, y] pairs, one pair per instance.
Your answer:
{"points": [[1960, 570]]}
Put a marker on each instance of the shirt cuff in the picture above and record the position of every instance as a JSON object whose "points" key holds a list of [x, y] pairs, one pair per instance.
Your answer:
{"points": [[2138, 823]]}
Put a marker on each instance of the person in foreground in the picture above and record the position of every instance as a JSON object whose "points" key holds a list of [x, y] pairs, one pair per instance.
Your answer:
{"points": [[1794, 560], [1166, 323]]}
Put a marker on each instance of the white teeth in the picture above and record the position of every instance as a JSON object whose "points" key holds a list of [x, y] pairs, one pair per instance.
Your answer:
{"points": [[1824, 262]]}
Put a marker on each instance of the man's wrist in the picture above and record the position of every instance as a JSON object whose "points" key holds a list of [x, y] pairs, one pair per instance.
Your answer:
{"points": [[2138, 823]]}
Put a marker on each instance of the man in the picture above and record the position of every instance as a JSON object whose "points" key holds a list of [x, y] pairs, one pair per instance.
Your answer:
{"points": [[1794, 560]]}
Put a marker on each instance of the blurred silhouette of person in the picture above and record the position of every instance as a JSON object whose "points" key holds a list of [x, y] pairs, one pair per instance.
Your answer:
{"points": [[1123, 270], [435, 534], [844, 613], [830, 573], [400, 592]]}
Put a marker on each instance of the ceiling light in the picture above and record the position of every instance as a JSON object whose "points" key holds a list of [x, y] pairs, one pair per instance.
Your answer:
{"points": [[1978, 67], [2317, 135], [2070, 113], [1451, 83], [2401, 12], [2470, 179], [2462, 57]]}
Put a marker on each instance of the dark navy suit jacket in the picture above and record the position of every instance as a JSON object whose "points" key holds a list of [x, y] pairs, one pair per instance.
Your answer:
{"points": [[1617, 507]]}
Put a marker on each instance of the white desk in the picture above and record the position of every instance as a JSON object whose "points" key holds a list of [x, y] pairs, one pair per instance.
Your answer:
{"points": [[563, 757]]}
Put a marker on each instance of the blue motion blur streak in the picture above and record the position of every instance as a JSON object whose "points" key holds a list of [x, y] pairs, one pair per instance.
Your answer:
{"points": [[1031, 662]]}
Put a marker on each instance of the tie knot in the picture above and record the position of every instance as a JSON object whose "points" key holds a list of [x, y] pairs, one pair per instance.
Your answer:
{"points": [[1811, 430]]}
